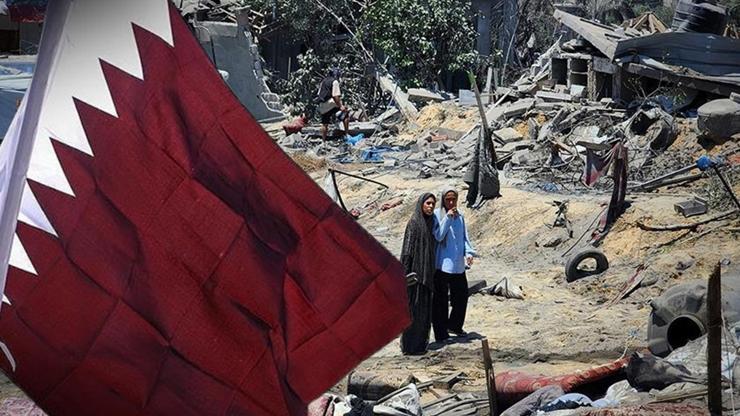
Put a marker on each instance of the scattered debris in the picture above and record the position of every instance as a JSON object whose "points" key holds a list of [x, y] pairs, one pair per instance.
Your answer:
{"points": [[679, 315], [505, 288], [692, 207], [719, 120]]}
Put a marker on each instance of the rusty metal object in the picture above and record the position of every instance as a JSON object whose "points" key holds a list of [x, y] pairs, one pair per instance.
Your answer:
{"points": [[653, 409]]}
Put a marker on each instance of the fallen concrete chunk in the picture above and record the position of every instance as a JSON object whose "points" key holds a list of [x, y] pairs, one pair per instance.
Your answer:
{"points": [[546, 107], [292, 141], [387, 115], [527, 88], [431, 164], [514, 146], [553, 96], [577, 91], [533, 128], [521, 157], [719, 120], [509, 110], [389, 85], [367, 128], [508, 135], [424, 95], [467, 98], [449, 134]]}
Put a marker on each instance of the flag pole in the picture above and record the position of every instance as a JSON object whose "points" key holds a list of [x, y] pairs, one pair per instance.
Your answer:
{"points": [[19, 144]]}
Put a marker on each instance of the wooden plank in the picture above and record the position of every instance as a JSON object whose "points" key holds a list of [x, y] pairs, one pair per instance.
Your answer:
{"points": [[714, 341], [603, 65], [387, 84], [490, 379]]}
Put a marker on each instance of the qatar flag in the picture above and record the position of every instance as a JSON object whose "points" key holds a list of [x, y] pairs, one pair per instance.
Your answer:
{"points": [[163, 255]]}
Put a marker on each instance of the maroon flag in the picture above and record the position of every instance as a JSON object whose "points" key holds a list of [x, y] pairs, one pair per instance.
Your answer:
{"points": [[166, 257]]}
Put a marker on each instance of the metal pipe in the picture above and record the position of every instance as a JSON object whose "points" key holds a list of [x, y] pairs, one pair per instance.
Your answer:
{"points": [[359, 177], [666, 176], [727, 185], [680, 179]]}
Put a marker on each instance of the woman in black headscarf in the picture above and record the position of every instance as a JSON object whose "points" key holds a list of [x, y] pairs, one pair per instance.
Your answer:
{"points": [[418, 258]]}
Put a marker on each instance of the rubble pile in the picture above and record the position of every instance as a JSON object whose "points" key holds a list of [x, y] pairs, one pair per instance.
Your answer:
{"points": [[598, 113]]}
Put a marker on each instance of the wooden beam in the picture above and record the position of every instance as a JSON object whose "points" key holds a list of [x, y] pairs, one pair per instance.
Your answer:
{"points": [[685, 81], [490, 379], [714, 341]]}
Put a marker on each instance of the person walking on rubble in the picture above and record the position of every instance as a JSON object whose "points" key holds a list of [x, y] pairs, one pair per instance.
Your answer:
{"points": [[418, 257], [454, 255], [330, 105]]}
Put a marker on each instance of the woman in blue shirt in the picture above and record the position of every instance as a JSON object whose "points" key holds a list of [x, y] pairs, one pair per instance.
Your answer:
{"points": [[454, 255]]}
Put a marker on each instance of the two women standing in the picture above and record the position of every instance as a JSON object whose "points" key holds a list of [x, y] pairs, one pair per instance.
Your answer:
{"points": [[436, 251]]}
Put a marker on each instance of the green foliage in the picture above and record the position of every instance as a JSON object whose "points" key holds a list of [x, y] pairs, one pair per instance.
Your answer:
{"points": [[733, 10], [423, 38], [302, 87]]}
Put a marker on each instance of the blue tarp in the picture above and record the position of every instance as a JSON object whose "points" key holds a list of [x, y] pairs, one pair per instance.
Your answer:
{"points": [[15, 78]]}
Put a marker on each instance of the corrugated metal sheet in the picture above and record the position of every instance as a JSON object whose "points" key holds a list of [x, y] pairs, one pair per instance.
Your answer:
{"points": [[706, 54]]}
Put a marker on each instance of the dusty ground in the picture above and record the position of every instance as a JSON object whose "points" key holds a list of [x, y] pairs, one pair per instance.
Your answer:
{"points": [[559, 326]]}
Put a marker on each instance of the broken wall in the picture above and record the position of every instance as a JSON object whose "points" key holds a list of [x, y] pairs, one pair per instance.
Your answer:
{"points": [[231, 48]]}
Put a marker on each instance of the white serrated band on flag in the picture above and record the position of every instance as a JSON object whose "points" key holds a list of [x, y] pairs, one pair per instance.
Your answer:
{"points": [[77, 36], [13, 154], [93, 31], [19, 257], [32, 214]]}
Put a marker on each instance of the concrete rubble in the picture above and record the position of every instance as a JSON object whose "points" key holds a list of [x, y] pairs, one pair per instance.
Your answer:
{"points": [[608, 112], [550, 131]]}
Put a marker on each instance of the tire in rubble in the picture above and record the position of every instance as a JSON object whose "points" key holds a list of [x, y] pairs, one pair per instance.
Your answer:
{"points": [[573, 273], [679, 315]]}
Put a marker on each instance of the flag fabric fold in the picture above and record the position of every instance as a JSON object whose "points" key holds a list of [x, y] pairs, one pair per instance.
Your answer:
{"points": [[179, 262]]}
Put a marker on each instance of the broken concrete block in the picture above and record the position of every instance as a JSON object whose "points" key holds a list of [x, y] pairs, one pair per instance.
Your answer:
{"points": [[548, 107], [577, 91], [719, 120], [735, 97], [508, 135], [553, 96], [291, 141], [514, 146], [467, 98], [424, 95], [389, 163], [521, 157], [533, 128], [527, 88], [431, 164], [586, 133], [509, 110]]}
